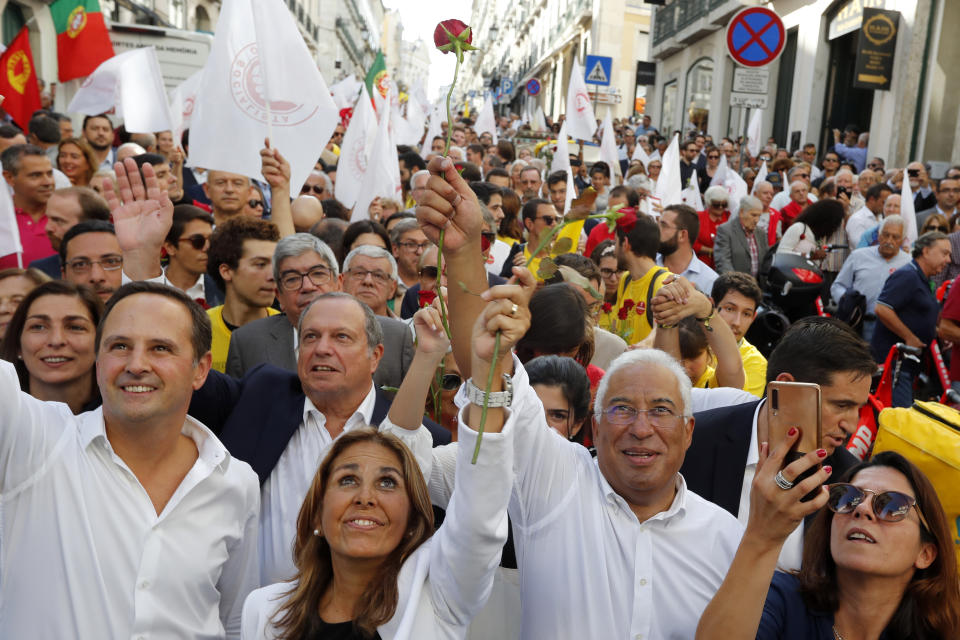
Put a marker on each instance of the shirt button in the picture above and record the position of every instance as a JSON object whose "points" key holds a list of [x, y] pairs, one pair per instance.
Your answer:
{"points": [[643, 582], [639, 636], [145, 584]]}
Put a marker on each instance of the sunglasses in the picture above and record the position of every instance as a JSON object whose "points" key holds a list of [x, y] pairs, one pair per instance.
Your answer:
{"points": [[722, 205], [317, 189], [713, 157], [889, 506], [936, 227], [451, 382], [255, 204], [197, 241], [429, 272], [548, 220]]}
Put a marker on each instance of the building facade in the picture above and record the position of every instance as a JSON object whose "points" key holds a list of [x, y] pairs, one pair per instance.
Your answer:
{"points": [[811, 86], [525, 39]]}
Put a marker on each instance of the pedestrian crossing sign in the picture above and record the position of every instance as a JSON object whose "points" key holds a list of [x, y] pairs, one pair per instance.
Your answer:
{"points": [[598, 70]]}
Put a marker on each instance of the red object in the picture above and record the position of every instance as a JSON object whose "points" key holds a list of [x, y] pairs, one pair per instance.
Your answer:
{"points": [[627, 304], [951, 311], [775, 218], [597, 235], [442, 40], [607, 307], [806, 275], [708, 232], [33, 237], [345, 115], [755, 37], [790, 212], [426, 298], [18, 80], [622, 313], [83, 42], [627, 219]]}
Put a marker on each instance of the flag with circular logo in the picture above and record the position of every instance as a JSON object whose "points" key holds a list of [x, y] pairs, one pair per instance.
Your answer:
{"points": [[82, 39], [18, 80]]}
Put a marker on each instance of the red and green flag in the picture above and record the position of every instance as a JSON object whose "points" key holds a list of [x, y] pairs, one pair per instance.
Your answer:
{"points": [[18, 80], [377, 79], [82, 38]]}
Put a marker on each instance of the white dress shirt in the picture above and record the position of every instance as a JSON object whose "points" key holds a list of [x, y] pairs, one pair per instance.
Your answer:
{"points": [[588, 567], [859, 223], [445, 582], [866, 271], [84, 553], [696, 272], [286, 487], [792, 552]]}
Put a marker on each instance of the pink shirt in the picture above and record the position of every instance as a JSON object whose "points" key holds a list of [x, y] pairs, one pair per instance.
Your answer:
{"points": [[33, 237]]}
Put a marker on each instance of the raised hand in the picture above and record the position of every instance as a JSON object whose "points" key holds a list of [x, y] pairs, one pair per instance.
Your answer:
{"points": [[506, 312], [451, 205], [431, 338], [274, 167], [142, 216]]}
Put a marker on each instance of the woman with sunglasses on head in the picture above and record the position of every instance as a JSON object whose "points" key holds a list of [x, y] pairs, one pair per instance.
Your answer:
{"points": [[878, 562], [51, 341]]}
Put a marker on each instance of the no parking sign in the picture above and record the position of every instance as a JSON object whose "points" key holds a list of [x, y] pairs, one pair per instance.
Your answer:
{"points": [[755, 37]]}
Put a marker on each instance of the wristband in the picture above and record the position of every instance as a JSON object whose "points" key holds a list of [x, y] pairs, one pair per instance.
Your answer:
{"points": [[495, 398], [706, 321]]}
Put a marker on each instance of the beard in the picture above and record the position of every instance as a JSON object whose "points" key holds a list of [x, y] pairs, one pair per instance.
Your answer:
{"points": [[668, 247], [99, 147]]}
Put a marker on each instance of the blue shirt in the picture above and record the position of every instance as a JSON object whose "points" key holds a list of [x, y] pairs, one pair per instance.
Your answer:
{"points": [[856, 155], [786, 617], [907, 291]]}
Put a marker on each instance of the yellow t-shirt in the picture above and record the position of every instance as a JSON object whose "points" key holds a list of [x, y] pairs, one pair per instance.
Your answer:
{"points": [[571, 231], [754, 368], [632, 303], [708, 380], [221, 336], [510, 241]]}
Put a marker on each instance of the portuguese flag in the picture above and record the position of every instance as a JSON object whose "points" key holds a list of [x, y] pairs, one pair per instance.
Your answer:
{"points": [[82, 38], [18, 80], [377, 80]]}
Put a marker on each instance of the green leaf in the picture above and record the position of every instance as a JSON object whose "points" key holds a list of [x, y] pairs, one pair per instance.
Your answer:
{"points": [[546, 269], [562, 245]]}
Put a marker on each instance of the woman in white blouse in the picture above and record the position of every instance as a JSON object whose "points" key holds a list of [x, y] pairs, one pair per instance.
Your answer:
{"points": [[368, 562], [810, 230]]}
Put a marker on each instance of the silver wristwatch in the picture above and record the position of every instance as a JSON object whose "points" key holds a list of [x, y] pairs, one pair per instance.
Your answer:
{"points": [[495, 398]]}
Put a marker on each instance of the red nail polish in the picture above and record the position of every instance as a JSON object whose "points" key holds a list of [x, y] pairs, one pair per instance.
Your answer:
{"points": [[792, 432], [821, 453], [828, 469]]}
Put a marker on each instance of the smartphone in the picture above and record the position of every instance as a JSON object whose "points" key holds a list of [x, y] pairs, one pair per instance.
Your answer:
{"points": [[795, 404], [843, 191]]}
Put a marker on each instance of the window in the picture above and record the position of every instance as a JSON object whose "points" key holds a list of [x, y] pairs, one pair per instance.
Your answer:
{"points": [[668, 107], [697, 96]]}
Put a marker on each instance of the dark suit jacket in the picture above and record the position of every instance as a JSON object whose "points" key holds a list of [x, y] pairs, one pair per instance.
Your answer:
{"points": [[411, 298], [256, 416], [731, 251], [714, 464], [49, 265], [270, 340]]}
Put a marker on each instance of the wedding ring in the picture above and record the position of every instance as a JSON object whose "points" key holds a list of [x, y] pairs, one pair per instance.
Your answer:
{"points": [[513, 310], [782, 482]]}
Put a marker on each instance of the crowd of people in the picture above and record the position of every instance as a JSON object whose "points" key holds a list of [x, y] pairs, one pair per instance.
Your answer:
{"points": [[233, 408]]}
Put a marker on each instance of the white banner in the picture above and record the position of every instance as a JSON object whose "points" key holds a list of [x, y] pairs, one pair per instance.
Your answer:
{"points": [[668, 187], [583, 123], [486, 121], [382, 177], [561, 162], [183, 100], [608, 150], [355, 151]]}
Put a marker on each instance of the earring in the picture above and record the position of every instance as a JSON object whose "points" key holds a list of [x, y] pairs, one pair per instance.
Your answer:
{"points": [[316, 532]]}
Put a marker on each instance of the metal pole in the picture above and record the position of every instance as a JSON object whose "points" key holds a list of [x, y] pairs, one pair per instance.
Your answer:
{"points": [[743, 142]]}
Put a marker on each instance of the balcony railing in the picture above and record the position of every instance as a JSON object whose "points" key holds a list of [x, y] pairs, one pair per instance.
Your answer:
{"points": [[664, 23], [688, 11], [679, 15]]}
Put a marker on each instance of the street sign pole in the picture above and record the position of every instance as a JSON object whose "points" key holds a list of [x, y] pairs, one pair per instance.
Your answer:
{"points": [[743, 140]]}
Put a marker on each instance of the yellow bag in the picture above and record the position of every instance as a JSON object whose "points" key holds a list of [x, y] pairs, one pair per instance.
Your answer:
{"points": [[928, 435]]}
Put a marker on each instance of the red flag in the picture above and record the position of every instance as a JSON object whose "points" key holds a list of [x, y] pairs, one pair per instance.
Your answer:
{"points": [[18, 80], [82, 38]]}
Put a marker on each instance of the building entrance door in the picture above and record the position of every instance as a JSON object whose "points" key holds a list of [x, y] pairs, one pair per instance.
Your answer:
{"points": [[845, 105]]}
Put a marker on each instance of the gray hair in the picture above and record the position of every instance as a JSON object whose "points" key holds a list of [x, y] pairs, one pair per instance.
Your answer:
{"points": [[371, 326], [845, 171], [371, 251], [799, 183], [749, 203], [488, 217], [646, 356], [297, 245], [402, 227], [927, 240], [413, 178], [639, 181], [794, 170], [715, 193], [327, 182], [893, 219]]}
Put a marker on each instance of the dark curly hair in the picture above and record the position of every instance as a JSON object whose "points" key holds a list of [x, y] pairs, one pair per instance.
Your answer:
{"points": [[226, 243]]}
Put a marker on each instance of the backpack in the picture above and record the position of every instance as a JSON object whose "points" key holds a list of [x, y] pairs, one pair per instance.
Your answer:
{"points": [[851, 309]]}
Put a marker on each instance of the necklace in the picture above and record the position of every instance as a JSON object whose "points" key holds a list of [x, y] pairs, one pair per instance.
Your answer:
{"points": [[836, 634]]}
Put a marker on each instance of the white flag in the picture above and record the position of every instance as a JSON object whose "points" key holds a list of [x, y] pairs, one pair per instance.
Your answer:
{"points": [[579, 109], [608, 148], [655, 155], [9, 231], [382, 177], [721, 173], [345, 92], [691, 195], [486, 121], [561, 162], [130, 83], [182, 102], [355, 151], [668, 187], [909, 214], [401, 130], [753, 132], [641, 155], [417, 110], [260, 81], [761, 176], [539, 120], [731, 181], [434, 129]]}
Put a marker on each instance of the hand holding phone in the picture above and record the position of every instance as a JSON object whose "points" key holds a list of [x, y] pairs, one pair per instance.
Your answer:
{"points": [[795, 404]]}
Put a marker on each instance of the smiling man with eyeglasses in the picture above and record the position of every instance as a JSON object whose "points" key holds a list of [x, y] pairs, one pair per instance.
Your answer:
{"points": [[90, 255]]}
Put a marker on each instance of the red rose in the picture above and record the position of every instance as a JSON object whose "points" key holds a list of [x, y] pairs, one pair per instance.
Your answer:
{"points": [[425, 298], [628, 304], [622, 313], [447, 30], [607, 307]]}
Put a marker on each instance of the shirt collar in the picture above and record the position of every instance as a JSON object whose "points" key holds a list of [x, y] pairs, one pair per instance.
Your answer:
{"points": [[677, 507], [364, 412], [753, 453], [210, 449]]}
